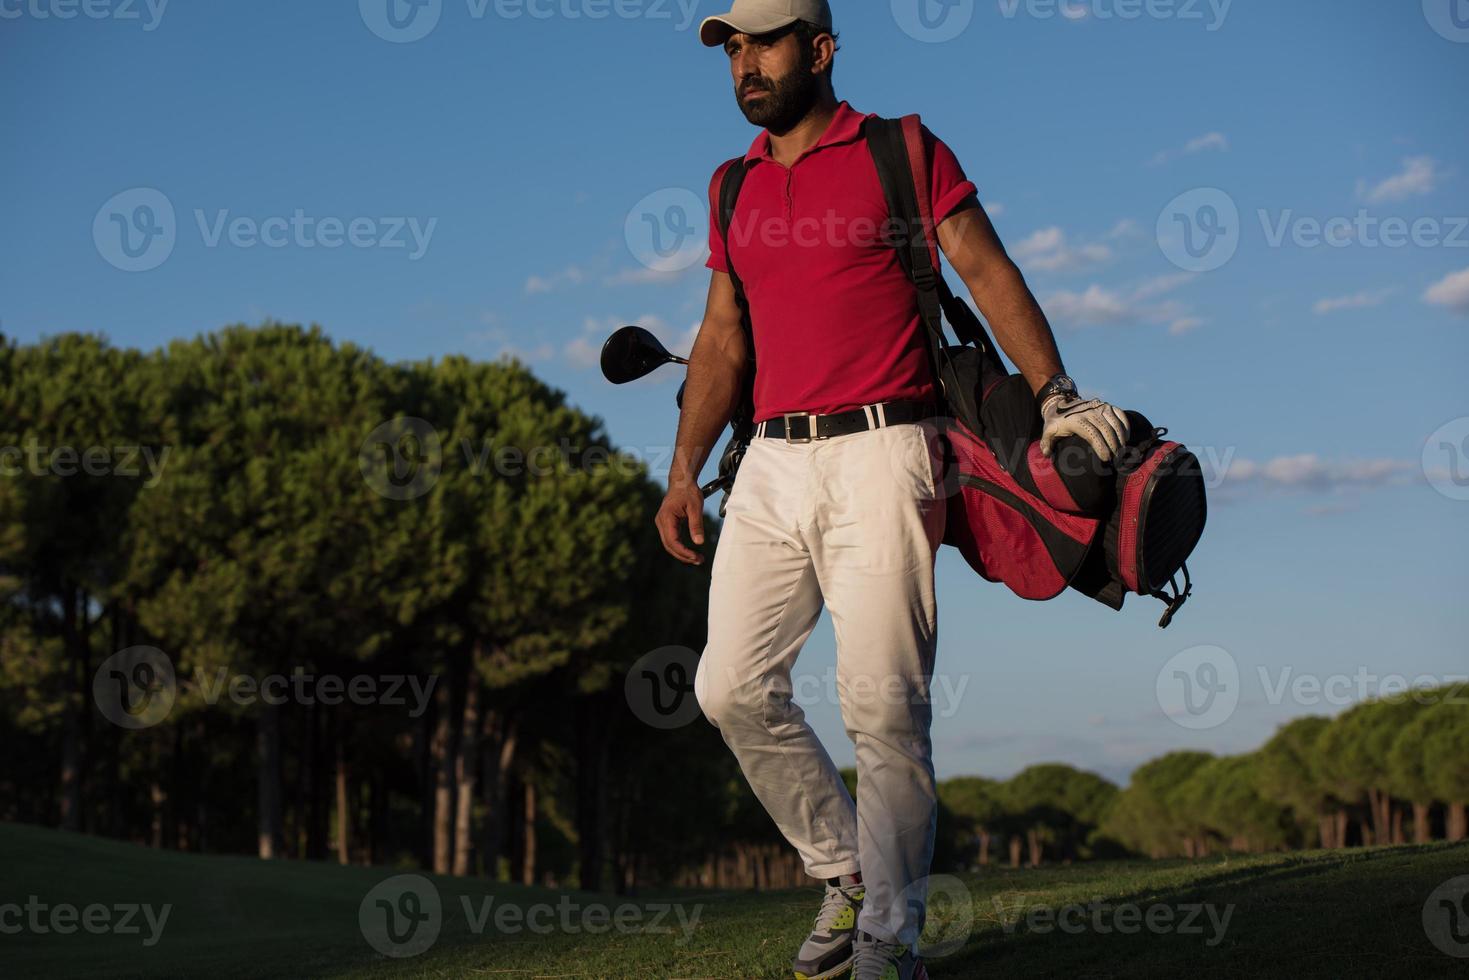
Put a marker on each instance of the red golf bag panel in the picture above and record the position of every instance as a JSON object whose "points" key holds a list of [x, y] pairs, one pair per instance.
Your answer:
{"points": [[1005, 532]]}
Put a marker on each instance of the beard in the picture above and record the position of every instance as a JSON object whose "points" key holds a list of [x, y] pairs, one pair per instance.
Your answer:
{"points": [[786, 103]]}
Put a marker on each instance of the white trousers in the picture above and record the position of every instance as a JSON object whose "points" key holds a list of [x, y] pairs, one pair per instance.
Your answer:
{"points": [[853, 521]]}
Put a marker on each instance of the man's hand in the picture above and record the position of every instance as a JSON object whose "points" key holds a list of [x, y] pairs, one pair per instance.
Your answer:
{"points": [[1101, 425], [683, 504]]}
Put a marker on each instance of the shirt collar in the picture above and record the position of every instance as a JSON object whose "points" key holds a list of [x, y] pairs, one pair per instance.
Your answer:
{"points": [[845, 127]]}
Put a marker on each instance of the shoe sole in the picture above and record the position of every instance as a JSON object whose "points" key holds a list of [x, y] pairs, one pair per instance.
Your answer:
{"points": [[831, 974]]}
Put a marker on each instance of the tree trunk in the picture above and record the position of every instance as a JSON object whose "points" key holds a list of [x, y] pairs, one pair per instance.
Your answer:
{"points": [[268, 779], [984, 849], [73, 706], [501, 738], [1376, 810], [1325, 827], [1339, 838], [591, 791], [344, 802], [1032, 838], [1421, 832], [1457, 822], [528, 840], [1397, 826], [443, 762], [1015, 847], [466, 771]]}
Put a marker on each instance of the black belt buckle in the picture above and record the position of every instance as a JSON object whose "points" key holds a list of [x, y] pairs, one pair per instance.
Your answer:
{"points": [[811, 435]]}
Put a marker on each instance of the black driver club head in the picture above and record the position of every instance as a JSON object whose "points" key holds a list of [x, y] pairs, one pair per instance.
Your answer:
{"points": [[633, 353]]}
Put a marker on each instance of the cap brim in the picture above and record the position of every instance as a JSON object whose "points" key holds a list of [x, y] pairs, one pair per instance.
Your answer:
{"points": [[714, 31]]}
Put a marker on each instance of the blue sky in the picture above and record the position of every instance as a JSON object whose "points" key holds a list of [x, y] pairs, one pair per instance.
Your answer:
{"points": [[499, 166]]}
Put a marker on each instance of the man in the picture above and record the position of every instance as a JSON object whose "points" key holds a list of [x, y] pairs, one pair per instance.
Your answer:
{"points": [[839, 498]]}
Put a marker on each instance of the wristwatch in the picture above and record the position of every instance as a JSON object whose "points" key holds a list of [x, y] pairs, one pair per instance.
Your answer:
{"points": [[1058, 385]]}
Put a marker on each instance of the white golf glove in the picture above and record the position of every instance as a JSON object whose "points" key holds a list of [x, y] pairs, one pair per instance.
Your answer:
{"points": [[1101, 425]]}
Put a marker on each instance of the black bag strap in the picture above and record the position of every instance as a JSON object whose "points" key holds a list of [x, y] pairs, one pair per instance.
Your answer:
{"points": [[900, 154], [743, 422]]}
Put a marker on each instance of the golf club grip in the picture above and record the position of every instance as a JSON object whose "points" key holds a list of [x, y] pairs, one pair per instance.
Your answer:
{"points": [[714, 486]]}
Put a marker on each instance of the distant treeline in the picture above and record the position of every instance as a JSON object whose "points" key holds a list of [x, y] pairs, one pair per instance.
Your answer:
{"points": [[1385, 772], [269, 594]]}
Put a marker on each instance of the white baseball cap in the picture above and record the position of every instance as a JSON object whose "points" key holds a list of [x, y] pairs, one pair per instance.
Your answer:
{"points": [[762, 17]]}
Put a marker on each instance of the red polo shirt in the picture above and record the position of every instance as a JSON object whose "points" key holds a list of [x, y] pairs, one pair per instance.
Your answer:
{"points": [[835, 318]]}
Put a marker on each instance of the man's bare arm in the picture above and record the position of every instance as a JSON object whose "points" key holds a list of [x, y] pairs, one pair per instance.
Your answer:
{"points": [[999, 290], [711, 396]]}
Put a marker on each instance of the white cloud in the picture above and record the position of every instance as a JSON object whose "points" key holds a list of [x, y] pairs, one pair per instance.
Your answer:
{"points": [[1049, 250], [1209, 141], [1419, 176], [642, 276], [994, 208], [1356, 301], [1452, 291], [1097, 305], [1309, 472], [1199, 144], [571, 275]]}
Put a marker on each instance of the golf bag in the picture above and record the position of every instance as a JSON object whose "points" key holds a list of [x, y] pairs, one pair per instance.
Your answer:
{"points": [[1030, 521]]}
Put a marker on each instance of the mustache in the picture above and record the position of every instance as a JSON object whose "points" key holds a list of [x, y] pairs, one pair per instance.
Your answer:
{"points": [[755, 85]]}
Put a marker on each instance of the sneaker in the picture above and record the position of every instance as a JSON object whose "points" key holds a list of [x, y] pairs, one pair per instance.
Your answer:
{"points": [[827, 952], [878, 960]]}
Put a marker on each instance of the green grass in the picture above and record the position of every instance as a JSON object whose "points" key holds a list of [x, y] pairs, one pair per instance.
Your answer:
{"points": [[1320, 914]]}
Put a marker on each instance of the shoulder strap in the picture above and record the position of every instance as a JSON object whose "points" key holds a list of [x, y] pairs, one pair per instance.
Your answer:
{"points": [[901, 156], [729, 195]]}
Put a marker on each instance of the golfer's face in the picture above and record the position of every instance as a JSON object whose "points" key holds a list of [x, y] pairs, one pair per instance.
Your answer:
{"points": [[759, 63]]}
